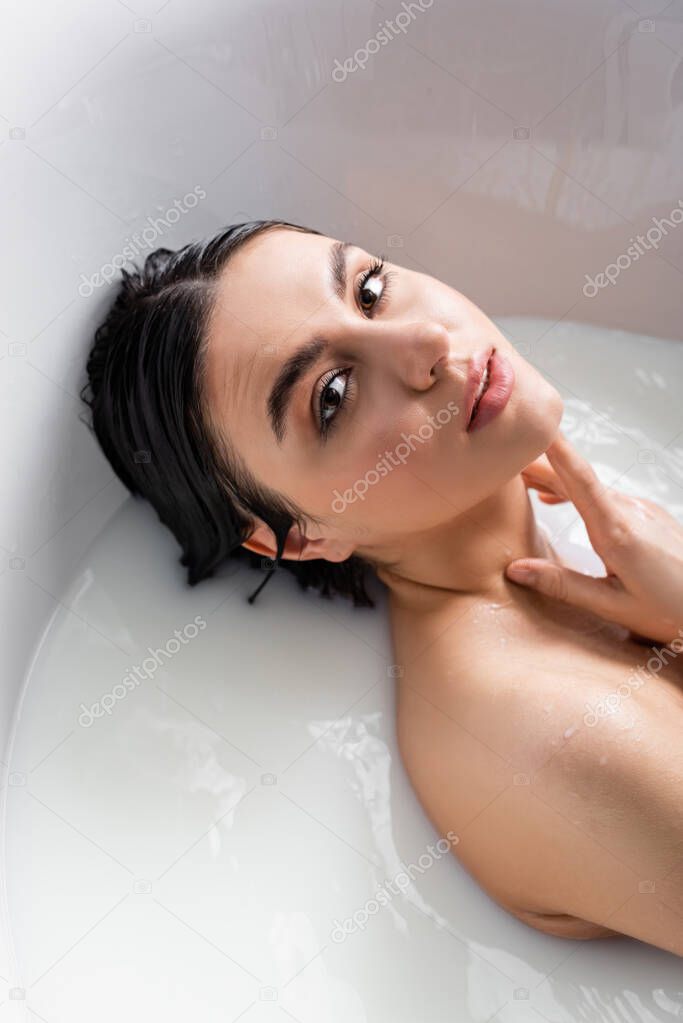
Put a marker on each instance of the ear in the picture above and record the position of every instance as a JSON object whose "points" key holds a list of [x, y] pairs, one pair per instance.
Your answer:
{"points": [[298, 547]]}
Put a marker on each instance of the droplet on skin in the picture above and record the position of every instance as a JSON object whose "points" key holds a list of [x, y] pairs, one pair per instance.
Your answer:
{"points": [[569, 731]]}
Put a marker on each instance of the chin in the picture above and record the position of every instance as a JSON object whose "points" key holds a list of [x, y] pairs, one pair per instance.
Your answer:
{"points": [[536, 406], [555, 403], [548, 407], [543, 415], [525, 430]]}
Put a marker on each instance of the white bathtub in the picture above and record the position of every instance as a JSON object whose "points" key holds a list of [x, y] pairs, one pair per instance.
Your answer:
{"points": [[195, 850]]}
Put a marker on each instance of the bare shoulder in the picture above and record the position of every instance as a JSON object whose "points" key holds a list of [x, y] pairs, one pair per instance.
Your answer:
{"points": [[572, 822]]}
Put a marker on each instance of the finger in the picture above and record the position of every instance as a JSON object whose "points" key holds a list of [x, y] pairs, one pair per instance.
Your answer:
{"points": [[547, 496], [538, 467], [604, 596], [544, 487], [581, 483], [551, 498], [540, 475]]}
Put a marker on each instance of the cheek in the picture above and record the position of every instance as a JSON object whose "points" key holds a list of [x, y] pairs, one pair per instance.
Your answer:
{"points": [[415, 445], [402, 478]]}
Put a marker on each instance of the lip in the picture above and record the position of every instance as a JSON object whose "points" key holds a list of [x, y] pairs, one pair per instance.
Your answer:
{"points": [[498, 390]]}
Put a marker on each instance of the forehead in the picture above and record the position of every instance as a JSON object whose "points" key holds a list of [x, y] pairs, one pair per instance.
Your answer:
{"points": [[271, 286], [270, 296]]}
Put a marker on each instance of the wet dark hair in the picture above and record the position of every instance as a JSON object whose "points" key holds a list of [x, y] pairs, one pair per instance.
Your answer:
{"points": [[145, 393]]}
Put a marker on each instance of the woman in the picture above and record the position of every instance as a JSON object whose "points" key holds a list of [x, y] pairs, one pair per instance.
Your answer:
{"points": [[278, 394]]}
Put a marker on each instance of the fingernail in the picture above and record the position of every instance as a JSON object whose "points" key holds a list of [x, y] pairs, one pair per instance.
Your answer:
{"points": [[524, 575]]}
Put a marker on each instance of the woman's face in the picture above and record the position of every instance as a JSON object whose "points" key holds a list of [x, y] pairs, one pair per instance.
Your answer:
{"points": [[318, 376]]}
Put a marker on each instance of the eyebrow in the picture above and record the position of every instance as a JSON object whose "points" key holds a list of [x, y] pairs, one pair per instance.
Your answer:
{"points": [[301, 360]]}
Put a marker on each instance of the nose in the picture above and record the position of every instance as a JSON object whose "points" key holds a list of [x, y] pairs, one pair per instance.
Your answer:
{"points": [[417, 352]]}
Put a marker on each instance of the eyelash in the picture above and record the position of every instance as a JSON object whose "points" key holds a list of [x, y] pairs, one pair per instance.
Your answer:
{"points": [[326, 426], [375, 270]]}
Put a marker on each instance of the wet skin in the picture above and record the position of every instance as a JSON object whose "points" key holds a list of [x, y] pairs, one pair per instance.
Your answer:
{"points": [[562, 823]]}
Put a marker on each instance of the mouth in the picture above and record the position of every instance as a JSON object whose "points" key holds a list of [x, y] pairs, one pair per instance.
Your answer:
{"points": [[489, 388]]}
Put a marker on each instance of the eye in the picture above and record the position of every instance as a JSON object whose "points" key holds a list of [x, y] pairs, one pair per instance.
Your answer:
{"points": [[335, 388], [372, 287], [333, 393]]}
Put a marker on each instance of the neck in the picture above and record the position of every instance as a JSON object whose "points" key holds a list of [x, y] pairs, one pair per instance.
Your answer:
{"points": [[467, 555]]}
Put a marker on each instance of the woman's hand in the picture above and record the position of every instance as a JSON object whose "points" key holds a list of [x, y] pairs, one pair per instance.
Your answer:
{"points": [[540, 475], [640, 544]]}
